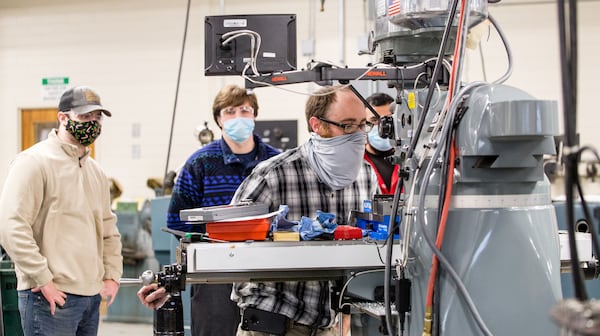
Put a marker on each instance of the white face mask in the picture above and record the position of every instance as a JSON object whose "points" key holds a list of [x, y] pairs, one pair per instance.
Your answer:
{"points": [[337, 160]]}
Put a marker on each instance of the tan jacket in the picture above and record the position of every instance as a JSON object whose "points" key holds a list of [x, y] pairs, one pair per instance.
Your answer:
{"points": [[56, 222]]}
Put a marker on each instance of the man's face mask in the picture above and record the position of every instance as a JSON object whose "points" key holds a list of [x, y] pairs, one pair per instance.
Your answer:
{"points": [[85, 132], [337, 160]]}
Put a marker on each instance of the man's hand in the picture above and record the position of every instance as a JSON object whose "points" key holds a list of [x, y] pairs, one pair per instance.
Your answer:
{"points": [[110, 289], [52, 295], [346, 324], [152, 296]]}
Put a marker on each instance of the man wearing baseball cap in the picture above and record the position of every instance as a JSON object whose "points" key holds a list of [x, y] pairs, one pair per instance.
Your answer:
{"points": [[57, 225], [83, 104]]}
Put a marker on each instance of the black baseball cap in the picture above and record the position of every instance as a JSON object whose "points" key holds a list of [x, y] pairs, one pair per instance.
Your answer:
{"points": [[81, 100]]}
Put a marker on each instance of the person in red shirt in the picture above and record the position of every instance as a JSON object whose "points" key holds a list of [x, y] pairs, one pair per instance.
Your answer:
{"points": [[378, 149]]}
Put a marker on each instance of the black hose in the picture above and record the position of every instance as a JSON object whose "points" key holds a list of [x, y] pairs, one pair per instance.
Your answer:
{"points": [[393, 225], [436, 73], [568, 58], [586, 210]]}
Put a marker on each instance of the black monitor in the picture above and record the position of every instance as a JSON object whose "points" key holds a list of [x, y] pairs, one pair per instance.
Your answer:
{"points": [[277, 49]]}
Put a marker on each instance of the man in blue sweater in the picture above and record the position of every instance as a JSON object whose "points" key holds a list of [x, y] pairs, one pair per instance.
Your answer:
{"points": [[209, 177]]}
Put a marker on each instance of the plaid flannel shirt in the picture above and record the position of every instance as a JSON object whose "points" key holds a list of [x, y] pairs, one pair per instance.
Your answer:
{"points": [[288, 179]]}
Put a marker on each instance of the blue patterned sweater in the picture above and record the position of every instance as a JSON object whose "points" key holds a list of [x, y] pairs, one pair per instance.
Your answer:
{"points": [[210, 177]]}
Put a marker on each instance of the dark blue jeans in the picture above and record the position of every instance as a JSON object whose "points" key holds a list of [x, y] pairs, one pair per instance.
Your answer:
{"points": [[78, 317]]}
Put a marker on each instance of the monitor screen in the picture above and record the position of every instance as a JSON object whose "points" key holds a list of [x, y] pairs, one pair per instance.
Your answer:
{"points": [[277, 51]]}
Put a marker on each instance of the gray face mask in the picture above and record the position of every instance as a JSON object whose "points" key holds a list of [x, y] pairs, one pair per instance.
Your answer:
{"points": [[337, 160]]}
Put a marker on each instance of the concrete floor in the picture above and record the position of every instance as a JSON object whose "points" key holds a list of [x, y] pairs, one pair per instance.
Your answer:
{"points": [[129, 329]]}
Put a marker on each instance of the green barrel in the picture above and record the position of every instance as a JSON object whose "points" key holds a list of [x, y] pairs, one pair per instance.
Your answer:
{"points": [[11, 320]]}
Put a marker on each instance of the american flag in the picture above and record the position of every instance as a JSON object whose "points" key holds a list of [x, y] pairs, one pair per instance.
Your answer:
{"points": [[393, 7]]}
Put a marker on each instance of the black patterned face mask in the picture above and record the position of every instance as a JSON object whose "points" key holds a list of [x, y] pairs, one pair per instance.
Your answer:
{"points": [[85, 132]]}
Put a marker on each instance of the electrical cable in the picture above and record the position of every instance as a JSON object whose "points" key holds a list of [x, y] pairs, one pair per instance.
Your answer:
{"points": [[509, 54], [185, 31], [593, 231], [255, 42], [462, 33], [229, 36], [347, 283], [588, 216], [441, 229], [443, 187], [392, 227], [482, 58], [568, 58], [437, 86], [343, 290]]}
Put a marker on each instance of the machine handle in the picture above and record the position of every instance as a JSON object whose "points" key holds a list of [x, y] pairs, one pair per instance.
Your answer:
{"points": [[146, 278]]}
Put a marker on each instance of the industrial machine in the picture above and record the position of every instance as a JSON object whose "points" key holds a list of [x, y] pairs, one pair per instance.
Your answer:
{"points": [[138, 256], [480, 248], [582, 227], [477, 202], [473, 178]]}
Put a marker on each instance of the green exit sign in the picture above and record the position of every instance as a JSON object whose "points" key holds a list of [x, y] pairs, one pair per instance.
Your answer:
{"points": [[53, 87], [55, 81]]}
